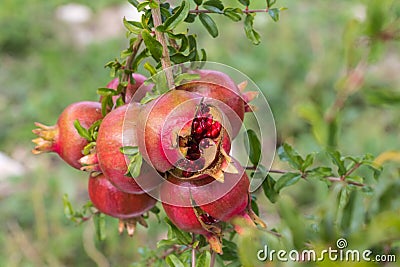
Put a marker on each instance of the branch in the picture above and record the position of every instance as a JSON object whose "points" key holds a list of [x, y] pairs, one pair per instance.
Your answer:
{"points": [[245, 11], [129, 61], [330, 178], [165, 59], [339, 179], [212, 262]]}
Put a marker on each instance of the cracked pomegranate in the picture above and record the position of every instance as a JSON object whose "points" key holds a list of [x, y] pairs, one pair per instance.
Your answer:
{"points": [[219, 86], [182, 132]]}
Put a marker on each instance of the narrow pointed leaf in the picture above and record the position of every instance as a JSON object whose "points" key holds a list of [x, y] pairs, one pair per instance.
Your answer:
{"points": [[179, 16], [209, 24]]}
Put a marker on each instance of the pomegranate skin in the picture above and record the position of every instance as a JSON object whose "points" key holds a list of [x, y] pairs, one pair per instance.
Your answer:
{"points": [[113, 202], [155, 133], [232, 203], [63, 138], [219, 86], [222, 201], [112, 135]]}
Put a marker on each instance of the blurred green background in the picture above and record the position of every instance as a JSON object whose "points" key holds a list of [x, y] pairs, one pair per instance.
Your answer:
{"points": [[49, 60]]}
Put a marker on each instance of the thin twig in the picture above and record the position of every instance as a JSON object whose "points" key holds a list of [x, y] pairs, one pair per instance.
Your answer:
{"points": [[193, 257], [212, 261], [246, 11], [330, 178], [339, 179], [254, 168], [132, 56], [193, 251], [165, 59], [347, 174]]}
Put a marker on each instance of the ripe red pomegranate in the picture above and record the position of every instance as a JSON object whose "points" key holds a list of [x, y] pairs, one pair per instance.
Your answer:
{"points": [[182, 133], [63, 138], [131, 89], [113, 202], [220, 86], [113, 135], [197, 206]]}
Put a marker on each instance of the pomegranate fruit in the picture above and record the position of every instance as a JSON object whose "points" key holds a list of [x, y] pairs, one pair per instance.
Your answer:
{"points": [[197, 206], [113, 202], [131, 91], [219, 86], [62, 138], [182, 132], [108, 159]]}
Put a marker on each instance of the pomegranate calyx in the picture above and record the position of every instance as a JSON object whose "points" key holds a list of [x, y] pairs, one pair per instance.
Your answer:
{"points": [[46, 138], [90, 163], [130, 225], [215, 243]]}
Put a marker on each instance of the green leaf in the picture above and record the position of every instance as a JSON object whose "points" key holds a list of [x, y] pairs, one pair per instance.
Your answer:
{"points": [[233, 13], [120, 102], [229, 250], [106, 92], [81, 130], [132, 26], [173, 261], [106, 102], [167, 242], [270, 2], [68, 209], [178, 58], [135, 165], [253, 147], [254, 205], [288, 154], [190, 18], [174, 232], [198, 2], [141, 6], [274, 13], [286, 180], [179, 16], [214, 6], [135, 3], [149, 97], [153, 5], [88, 148], [185, 77], [139, 58], [93, 129], [320, 172], [269, 189], [152, 44], [308, 162], [150, 68], [251, 34], [245, 2], [338, 161], [383, 96], [99, 220], [204, 259], [209, 24], [129, 150]]}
